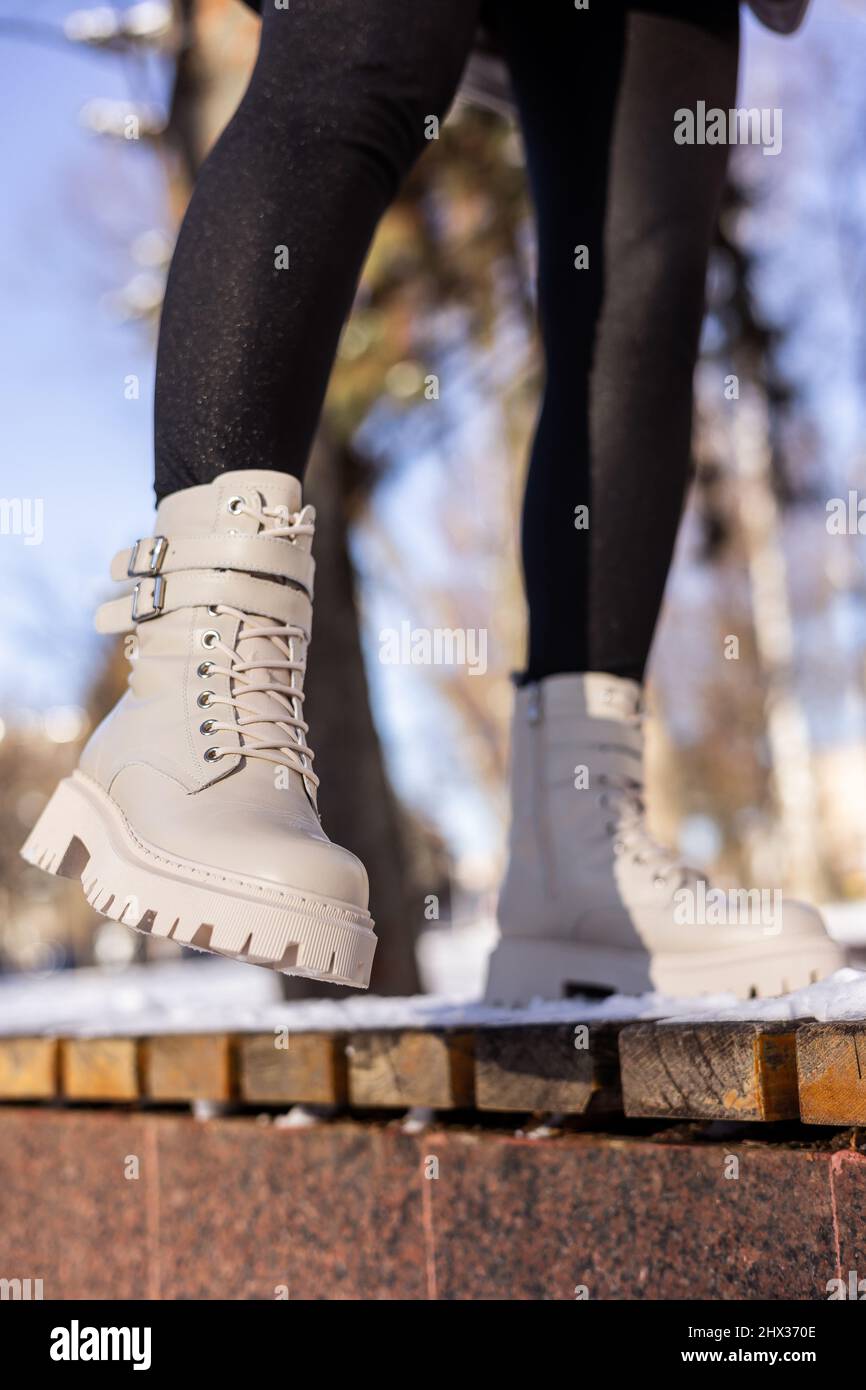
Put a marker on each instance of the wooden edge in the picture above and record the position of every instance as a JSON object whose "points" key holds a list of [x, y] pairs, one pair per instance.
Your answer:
{"points": [[566, 1068], [106, 1069], [189, 1066], [831, 1067], [29, 1068], [663, 1069], [404, 1067], [727, 1070], [284, 1068], [776, 1065]]}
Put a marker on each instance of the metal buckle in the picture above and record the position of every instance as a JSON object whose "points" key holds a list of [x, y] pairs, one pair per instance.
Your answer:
{"points": [[158, 547], [156, 602]]}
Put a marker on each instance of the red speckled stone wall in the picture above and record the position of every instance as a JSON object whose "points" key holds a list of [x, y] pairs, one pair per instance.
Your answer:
{"points": [[232, 1208]]}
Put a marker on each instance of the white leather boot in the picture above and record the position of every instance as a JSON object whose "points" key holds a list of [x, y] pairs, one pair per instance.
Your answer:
{"points": [[193, 813], [590, 900]]}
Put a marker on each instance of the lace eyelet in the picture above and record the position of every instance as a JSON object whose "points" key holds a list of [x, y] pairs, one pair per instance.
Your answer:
{"points": [[208, 727], [210, 638], [659, 882], [205, 698], [204, 668], [213, 610], [212, 754], [234, 504]]}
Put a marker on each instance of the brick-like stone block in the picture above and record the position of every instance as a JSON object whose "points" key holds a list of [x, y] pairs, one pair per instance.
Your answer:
{"points": [[330, 1212], [75, 1190], [848, 1178], [629, 1219], [105, 1205]]}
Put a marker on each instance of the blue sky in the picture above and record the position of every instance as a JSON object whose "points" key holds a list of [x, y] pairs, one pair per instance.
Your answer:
{"points": [[74, 205]]}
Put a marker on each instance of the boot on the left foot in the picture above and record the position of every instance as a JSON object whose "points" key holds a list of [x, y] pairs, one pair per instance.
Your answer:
{"points": [[590, 900]]}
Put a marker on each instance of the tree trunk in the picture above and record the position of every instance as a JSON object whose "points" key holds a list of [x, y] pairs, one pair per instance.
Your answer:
{"points": [[359, 809]]}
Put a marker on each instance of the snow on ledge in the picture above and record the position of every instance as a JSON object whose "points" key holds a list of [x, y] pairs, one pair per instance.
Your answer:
{"points": [[222, 996]]}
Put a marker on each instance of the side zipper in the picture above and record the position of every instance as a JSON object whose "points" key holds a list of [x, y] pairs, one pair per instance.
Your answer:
{"points": [[540, 817]]}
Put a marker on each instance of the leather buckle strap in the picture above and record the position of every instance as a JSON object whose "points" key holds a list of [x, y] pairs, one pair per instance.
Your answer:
{"points": [[157, 600], [245, 554], [199, 588], [157, 546]]}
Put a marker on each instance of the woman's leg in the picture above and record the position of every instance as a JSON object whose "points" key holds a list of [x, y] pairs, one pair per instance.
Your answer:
{"points": [[278, 227], [589, 898], [194, 811], [597, 92]]}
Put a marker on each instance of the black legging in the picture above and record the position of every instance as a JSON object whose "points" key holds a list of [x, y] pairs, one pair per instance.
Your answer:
{"points": [[331, 122]]}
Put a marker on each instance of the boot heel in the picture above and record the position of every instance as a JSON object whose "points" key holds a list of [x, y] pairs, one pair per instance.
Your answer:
{"points": [[521, 971], [58, 842]]}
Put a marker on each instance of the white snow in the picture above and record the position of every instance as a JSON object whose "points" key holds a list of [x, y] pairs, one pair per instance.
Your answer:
{"points": [[168, 996], [841, 996], [298, 1117], [215, 996], [418, 1119]]}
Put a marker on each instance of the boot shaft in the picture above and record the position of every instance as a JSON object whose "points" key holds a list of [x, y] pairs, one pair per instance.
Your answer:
{"points": [[576, 790], [228, 560]]}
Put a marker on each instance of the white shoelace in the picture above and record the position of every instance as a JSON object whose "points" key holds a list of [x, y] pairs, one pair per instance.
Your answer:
{"points": [[631, 836], [297, 753]]}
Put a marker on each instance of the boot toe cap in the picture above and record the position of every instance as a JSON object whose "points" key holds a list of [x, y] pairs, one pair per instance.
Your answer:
{"points": [[227, 836]]}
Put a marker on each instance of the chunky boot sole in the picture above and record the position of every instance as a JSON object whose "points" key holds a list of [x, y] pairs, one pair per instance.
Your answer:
{"points": [[522, 970], [83, 834]]}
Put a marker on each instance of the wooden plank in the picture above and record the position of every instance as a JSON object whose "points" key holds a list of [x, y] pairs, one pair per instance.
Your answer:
{"points": [[189, 1066], [831, 1065], [567, 1068], [301, 1068], [405, 1067], [712, 1071], [29, 1068], [100, 1069]]}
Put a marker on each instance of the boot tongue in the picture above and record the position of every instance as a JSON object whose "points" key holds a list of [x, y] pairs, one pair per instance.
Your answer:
{"points": [[271, 708], [260, 491], [587, 696], [594, 695], [284, 497], [236, 503], [198, 510], [588, 718]]}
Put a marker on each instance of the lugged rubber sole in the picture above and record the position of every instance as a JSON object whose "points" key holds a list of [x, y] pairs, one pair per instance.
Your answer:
{"points": [[523, 970], [83, 834]]}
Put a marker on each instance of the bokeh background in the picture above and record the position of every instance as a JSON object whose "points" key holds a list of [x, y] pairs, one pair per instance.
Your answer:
{"points": [[757, 763]]}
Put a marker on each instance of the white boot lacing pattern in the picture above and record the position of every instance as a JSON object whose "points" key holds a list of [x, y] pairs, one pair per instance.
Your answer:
{"points": [[625, 797], [289, 695]]}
